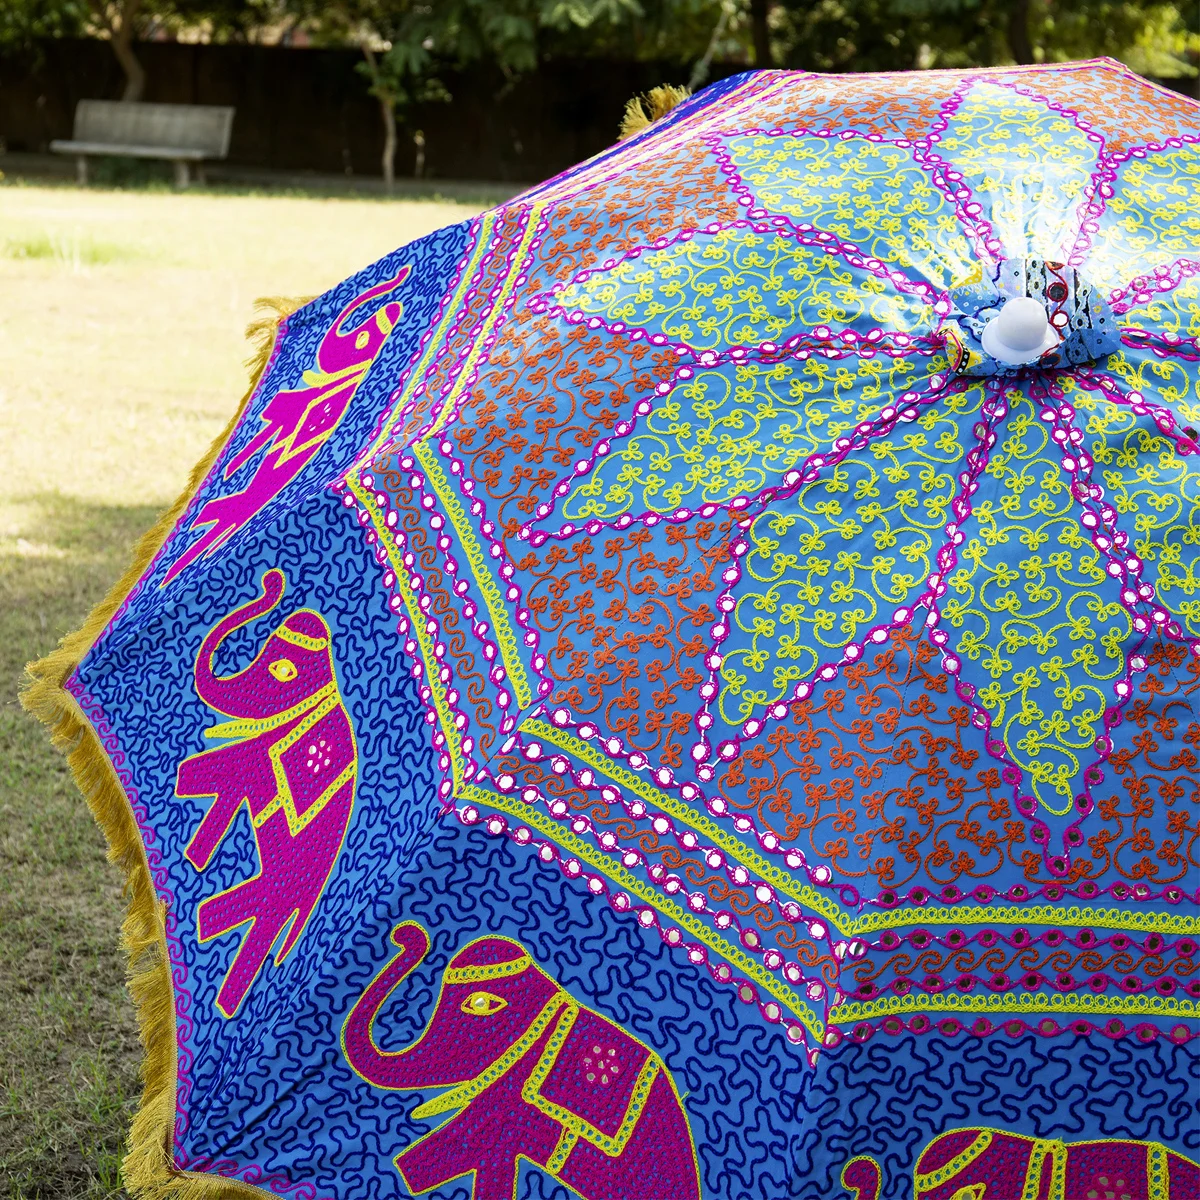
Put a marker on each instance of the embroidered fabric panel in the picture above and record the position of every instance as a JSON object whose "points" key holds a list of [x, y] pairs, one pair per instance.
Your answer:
{"points": [[663, 588], [636, 708]]}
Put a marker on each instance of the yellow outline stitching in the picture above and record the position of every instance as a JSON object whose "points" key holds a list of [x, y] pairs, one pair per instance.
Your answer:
{"points": [[1001, 1005], [417, 620], [821, 905], [618, 874], [487, 971], [562, 1151], [509, 650], [926, 1181], [1158, 1172], [316, 705], [697, 820], [531, 1092], [512, 270], [302, 639], [436, 341], [462, 1094]]}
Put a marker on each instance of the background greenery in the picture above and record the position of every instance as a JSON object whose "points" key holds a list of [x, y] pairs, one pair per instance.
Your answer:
{"points": [[408, 46]]}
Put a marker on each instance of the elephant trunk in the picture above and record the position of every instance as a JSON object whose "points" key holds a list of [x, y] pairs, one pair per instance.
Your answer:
{"points": [[398, 1069], [225, 694], [862, 1178]]}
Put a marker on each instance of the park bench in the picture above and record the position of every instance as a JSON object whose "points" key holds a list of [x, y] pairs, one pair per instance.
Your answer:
{"points": [[185, 134]]}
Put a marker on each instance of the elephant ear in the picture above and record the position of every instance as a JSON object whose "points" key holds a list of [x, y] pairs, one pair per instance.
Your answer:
{"points": [[594, 1078]]}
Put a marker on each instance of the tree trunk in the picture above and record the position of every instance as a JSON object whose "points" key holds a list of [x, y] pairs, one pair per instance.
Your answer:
{"points": [[700, 70], [1019, 45], [122, 40], [761, 34], [389, 142], [387, 111]]}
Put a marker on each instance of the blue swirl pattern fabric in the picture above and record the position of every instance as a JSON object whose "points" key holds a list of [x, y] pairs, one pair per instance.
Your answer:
{"points": [[645, 705]]}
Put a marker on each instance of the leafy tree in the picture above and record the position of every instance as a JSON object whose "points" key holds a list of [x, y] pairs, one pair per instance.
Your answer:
{"points": [[24, 22], [871, 35], [408, 44], [674, 31], [1156, 39]]}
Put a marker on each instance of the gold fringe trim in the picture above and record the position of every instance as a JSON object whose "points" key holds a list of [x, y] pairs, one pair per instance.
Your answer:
{"points": [[642, 111], [147, 1169]]}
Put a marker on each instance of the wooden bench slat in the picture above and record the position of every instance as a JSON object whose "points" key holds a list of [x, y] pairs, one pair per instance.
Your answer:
{"points": [[169, 152]]}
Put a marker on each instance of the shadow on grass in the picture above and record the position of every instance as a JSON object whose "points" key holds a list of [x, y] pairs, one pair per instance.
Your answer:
{"points": [[68, 1038]]}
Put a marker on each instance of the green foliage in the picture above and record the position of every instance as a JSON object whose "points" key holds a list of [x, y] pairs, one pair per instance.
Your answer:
{"points": [[418, 40], [1154, 38], [220, 20], [660, 30], [410, 43], [1161, 39], [23, 22]]}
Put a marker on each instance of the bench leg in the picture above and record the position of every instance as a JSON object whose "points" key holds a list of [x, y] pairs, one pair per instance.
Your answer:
{"points": [[181, 173], [201, 177], [81, 174]]}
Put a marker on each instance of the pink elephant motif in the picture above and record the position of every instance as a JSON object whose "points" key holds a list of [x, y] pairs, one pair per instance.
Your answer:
{"points": [[993, 1164], [296, 424], [290, 758], [531, 1074]]}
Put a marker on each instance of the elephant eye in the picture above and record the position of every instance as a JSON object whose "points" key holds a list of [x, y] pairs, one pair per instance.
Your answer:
{"points": [[483, 1004], [283, 669]]}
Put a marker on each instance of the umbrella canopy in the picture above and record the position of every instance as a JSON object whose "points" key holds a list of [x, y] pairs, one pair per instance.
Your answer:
{"points": [[686, 685]]}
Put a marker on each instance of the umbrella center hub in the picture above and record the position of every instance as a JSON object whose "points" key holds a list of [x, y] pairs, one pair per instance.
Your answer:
{"points": [[1025, 313], [1019, 332]]}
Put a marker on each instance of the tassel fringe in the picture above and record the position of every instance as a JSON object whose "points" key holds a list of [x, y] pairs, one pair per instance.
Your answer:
{"points": [[148, 1170], [642, 111]]}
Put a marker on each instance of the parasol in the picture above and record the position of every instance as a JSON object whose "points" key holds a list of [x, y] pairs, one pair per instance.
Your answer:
{"points": [[686, 684]]}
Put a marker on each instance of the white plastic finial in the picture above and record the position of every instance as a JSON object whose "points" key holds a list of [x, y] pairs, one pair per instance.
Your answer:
{"points": [[1020, 332]]}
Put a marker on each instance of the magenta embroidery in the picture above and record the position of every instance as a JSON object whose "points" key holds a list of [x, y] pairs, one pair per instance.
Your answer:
{"points": [[297, 423], [289, 756], [965, 1164], [531, 1074]]}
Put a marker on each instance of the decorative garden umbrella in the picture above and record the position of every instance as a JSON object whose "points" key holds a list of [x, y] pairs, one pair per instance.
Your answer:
{"points": [[686, 684]]}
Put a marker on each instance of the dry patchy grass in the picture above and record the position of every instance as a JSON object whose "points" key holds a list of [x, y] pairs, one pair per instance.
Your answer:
{"points": [[121, 318]]}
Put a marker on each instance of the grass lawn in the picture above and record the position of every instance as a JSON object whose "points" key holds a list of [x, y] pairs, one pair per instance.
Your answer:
{"points": [[121, 319]]}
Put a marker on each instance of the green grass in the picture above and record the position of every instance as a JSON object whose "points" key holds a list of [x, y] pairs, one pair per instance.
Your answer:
{"points": [[71, 249], [110, 174], [68, 1041]]}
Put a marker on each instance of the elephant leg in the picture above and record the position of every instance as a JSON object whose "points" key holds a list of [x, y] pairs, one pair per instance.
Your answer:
{"points": [[230, 775], [227, 910], [292, 875], [459, 1148], [219, 914], [486, 1139], [302, 864], [294, 869]]}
